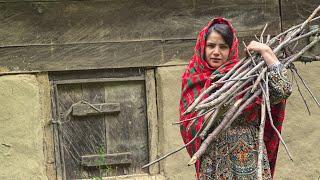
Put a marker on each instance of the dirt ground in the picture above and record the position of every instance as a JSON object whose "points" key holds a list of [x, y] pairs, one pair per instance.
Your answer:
{"points": [[301, 131]]}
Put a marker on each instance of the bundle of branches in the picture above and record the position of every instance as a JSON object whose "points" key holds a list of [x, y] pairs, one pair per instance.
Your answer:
{"points": [[236, 83]]}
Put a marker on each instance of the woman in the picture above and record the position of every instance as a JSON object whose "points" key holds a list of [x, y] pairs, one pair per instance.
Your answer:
{"points": [[233, 154]]}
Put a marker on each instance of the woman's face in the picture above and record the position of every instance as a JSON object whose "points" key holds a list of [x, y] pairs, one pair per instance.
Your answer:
{"points": [[216, 50]]}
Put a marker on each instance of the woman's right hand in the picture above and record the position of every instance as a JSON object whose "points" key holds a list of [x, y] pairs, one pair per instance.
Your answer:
{"points": [[266, 52]]}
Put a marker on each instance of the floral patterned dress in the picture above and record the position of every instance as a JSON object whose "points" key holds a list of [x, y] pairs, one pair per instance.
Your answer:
{"points": [[234, 153]]}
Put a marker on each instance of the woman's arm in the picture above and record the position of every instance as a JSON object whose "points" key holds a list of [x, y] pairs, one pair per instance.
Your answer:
{"points": [[279, 84]]}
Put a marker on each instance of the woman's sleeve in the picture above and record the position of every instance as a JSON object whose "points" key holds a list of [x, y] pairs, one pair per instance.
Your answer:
{"points": [[279, 85]]}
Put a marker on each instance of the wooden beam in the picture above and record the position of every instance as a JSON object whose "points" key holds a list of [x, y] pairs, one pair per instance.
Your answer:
{"points": [[87, 110], [96, 56], [128, 130], [81, 56], [152, 116], [60, 171], [48, 135], [96, 80], [114, 74], [99, 56], [106, 159], [72, 22]]}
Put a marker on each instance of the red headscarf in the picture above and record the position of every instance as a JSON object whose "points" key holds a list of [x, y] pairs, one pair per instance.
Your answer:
{"points": [[196, 78]]}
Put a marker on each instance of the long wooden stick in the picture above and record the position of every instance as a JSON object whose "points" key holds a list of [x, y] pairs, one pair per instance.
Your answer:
{"points": [[193, 118], [225, 87], [177, 150], [304, 36], [306, 59], [210, 123], [212, 135], [193, 121], [302, 51], [260, 139], [303, 99], [307, 87], [224, 95], [231, 115], [257, 82], [243, 106], [273, 126], [238, 94], [262, 33]]}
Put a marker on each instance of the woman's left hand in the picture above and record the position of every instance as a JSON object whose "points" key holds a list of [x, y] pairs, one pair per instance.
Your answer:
{"points": [[266, 52]]}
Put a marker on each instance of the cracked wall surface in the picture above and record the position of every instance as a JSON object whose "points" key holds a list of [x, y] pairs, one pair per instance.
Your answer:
{"points": [[21, 128]]}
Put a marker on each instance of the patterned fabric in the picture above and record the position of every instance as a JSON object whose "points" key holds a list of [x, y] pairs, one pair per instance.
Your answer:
{"points": [[197, 77], [280, 86], [233, 154]]}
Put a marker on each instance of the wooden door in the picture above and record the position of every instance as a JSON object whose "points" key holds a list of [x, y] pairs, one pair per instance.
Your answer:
{"points": [[102, 129]]}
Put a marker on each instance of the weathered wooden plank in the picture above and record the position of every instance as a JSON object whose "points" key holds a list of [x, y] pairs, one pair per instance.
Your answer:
{"points": [[81, 56], [178, 51], [56, 136], [15, 1], [62, 22], [97, 56], [48, 135], [152, 116], [118, 74], [107, 159], [247, 16], [69, 22], [96, 80], [294, 12], [127, 131], [80, 135], [178, 18], [93, 129], [104, 108], [65, 97]]}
